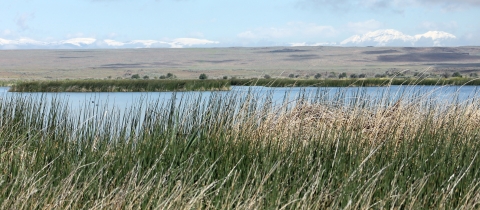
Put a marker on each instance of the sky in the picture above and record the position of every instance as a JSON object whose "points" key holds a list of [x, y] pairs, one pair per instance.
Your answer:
{"points": [[234, 23]]}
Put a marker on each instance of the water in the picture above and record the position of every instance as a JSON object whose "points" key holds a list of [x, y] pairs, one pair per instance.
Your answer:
{"points": [[96, 108], [123, 100]]}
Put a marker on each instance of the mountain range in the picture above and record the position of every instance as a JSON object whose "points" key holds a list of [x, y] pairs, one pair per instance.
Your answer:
{"points": [[89, 43], [388, 37]]}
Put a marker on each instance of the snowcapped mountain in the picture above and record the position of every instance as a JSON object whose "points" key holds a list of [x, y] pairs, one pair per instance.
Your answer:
{"points": [[23, 42], [439, 38], [79, 42], [113, 43], [181, 42], [392, 37], [88, 43]]}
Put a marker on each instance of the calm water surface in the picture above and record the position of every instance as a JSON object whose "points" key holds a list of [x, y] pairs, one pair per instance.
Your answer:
{"points": [[122, 100]]}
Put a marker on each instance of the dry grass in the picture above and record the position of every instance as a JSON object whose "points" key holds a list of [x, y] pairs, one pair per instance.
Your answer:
{"points": [[238, 62], [238, 151]]}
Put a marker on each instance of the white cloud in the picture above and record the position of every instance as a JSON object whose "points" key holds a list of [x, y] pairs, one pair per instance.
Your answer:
{"points": [[436, 26], [112, 35], [265, 33], [298, 30], [311, 29], [451, 5], [347, 5], [472, 38], [382, 5], [7, 32], [196, 34], [75, 35], [365, 26], [22, 20]]}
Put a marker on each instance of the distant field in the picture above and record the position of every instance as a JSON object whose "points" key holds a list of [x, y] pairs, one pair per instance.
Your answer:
{"points": [[234, 62]]}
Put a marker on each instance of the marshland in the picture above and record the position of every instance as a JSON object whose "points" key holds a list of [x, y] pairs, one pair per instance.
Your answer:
{"points": [[91, 85], [78, 132], [314, 148]]}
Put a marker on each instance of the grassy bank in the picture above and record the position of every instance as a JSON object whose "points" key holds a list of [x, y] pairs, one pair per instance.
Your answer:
{"points": [[232, 151], [119, 85], [8, 83], [368, 82], [214, 85]]}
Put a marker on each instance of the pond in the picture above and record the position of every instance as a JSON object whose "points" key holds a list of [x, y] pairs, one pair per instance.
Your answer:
{"points": [[122, 100], [131, 108]]}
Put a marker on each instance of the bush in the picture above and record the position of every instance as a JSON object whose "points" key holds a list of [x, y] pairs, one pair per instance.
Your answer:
{"points": [[146, 77], [332, 75], [353, 76], [135, 76], [203, 76], [342, 75], [456, 74], [225, 77], [362, 76], [170, 75], [291, 75], [163, 77], [267, 76], [318, 76]]}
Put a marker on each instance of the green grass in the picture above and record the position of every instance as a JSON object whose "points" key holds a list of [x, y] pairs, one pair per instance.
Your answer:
{"points": [[214, 85], [368, 82], [119, 85], [8, 83], [231, 151]]}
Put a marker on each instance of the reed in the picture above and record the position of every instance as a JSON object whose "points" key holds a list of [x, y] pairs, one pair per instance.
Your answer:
{"points": [[236, 150], [119, 85], [368, 82], [217, 85]]}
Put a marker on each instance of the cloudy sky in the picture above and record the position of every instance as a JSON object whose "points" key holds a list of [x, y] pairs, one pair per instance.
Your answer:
{"points": [[227, 23]]}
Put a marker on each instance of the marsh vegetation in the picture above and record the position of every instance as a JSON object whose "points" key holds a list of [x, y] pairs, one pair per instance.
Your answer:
{"points": [[239, 150], [204, 84], [132, 85]]}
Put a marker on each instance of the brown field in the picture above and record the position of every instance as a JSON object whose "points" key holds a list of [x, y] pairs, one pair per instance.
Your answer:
{"points": [[238, 62]]}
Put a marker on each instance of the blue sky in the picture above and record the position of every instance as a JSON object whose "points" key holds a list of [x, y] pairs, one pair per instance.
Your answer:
{"points": [[226, 23]]}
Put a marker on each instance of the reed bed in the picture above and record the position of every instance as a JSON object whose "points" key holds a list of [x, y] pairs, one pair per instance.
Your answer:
{"points": [[217, 85], [368, 82], [119, 85], [237, 150]]}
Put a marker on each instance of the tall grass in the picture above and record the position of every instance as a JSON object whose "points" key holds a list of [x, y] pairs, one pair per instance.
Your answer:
{"points": [[119, 85], [215, 85], [8, 83], [241, 151], [368, 82]]}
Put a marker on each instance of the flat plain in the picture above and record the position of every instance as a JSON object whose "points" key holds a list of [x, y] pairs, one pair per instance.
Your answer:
{"points": [[233, 62]]}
